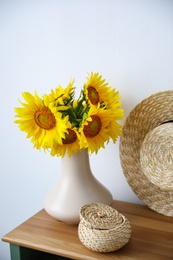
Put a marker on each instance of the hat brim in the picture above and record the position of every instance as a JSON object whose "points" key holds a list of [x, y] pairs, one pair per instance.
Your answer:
{"points": [[148, 114]]}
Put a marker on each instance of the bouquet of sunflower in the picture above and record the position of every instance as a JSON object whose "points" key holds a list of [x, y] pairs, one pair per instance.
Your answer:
{"points": [[61, 124]]}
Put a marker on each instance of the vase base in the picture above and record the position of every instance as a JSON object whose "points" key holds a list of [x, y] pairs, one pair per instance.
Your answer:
{"points": [[68, 212]]}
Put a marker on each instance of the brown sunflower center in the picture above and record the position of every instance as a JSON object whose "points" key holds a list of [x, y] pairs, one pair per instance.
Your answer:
{"points": [[70, 137], [44, 118], [93, 95], [93, 127]]}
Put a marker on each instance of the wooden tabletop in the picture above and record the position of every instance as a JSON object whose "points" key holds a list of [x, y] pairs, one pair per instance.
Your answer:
{"points": [[151, 238]]}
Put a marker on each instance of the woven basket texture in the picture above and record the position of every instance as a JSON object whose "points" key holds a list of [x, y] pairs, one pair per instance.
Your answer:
{"points": [[102, 228], [146, 152]]}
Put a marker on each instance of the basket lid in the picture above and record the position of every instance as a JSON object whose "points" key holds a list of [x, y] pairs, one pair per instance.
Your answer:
{"points": [[100, 216]]}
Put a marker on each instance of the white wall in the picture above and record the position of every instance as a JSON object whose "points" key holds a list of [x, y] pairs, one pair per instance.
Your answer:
{"points": [[44, 43]]}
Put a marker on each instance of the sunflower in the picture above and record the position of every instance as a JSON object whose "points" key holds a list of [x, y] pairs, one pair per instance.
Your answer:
{"points": [[112, 102], [70, 144], [95, 130], [69, 91], [114, 130], [61, 124], [95, 89], [60, 97], [43, 124]]}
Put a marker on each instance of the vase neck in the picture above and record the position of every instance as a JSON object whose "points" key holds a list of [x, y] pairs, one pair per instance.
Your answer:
{"points": [[76, 164]]}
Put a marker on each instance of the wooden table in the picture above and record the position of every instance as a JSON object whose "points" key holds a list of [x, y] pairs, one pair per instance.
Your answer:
{"points": [[42, 237]]}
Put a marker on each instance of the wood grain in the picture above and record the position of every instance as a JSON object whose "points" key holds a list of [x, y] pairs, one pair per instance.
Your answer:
{"points": [[152, 236]]}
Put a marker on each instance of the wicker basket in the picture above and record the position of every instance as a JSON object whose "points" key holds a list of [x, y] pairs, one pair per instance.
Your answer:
{"points": [[102, 228]]}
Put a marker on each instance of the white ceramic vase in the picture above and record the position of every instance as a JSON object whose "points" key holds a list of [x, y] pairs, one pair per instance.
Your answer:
{"points": [[76, 187]]}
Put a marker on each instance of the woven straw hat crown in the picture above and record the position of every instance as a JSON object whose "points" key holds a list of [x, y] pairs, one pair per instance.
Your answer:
{"points": [[156, 156]]}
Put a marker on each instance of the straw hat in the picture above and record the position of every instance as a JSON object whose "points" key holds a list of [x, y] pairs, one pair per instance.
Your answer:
{"points": [[146, 151]]}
